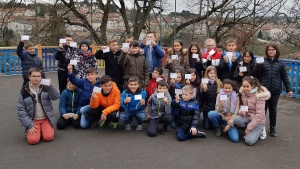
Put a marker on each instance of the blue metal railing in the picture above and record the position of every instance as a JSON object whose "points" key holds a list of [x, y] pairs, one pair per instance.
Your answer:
{"points": [[292, 67]]}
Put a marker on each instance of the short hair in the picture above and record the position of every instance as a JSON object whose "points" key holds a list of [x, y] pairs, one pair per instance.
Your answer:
{"points": [[153, 32], [28, 45], [159, 70], [209, 40], [189, 89], [231, 40], [109, 41], [91, 70], [134, 44], [68, 35], [274, 45], [129, 36], [133, 79], [104, 79], [35, 69], [162, 83]]}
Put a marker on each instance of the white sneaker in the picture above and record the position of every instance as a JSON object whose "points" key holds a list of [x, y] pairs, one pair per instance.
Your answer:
{"points": [[263, 134], [128, 127], [139, 127]]}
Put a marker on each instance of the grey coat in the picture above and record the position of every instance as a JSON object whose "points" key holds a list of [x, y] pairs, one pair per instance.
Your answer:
{"points": [[26, 105], [158, 107]]}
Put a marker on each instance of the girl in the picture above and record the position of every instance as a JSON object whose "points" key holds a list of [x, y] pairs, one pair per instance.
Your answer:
{"points": [[226, 109], [212, 56], [195, 62], [248, 63], [176, 83], [254, 97], [272, 72], [181, 63], [195, 82], [209, 94]]}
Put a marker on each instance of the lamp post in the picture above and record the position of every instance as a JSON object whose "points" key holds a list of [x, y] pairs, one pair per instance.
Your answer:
{"points": [[174, 23], [91, 17]]}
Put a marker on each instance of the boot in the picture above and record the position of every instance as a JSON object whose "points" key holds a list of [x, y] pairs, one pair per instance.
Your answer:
{"points": [[173, 125], [218, 130], [263, 134], [272, 131]]}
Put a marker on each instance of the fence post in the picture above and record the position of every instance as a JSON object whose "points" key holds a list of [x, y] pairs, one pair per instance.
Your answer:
{"points": [[94, 48], [40, 52]]}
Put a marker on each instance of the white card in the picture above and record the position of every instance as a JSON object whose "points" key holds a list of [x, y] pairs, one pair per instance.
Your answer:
{"points": [[195, 56], [260, 59], [243, 69], [106, 50], [229, 55], [173, 75], [211, 52], [138, 97], [148, 42], [244, 108], [45, 82], [73, 62], [71, 114], [174, 57], [73, 44], [97, 89], [160, 95], [125, 45], [158, 79], [62, 41], [223, 97], [204, 80], [188, 76], [178, 91], [25, 37]]}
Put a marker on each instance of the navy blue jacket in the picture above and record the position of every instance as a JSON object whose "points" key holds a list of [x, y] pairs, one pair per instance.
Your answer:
{"points": [[69, 101], [157, 53]]}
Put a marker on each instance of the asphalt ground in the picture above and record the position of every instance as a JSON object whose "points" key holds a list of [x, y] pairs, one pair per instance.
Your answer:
{"points": [[95, 149]]}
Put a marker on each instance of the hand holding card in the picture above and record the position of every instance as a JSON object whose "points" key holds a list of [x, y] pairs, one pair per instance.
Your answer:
{"points": [[160, 95], [62, 41], [204, 80], [73, 62], [138, 97], [188, 76], [223, 97], [174, 57], [244, 108], [45, 82], [25, 37]]}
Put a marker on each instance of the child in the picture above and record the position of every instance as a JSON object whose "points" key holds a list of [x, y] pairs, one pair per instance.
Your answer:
{"points": [[248, 62], [112, 68], [229, 63], [254, 97], [227, 107], [104, 105], [68, 103], [195, 82], [182, 63], [156, 77], [195, 62], [134, 64], [129, 38], [86, 85], [35, 108], [188, 115], [133, 102], [209, 94], [153, 52], [28, 59], [176, 83], [212, 56], [159, 109]]}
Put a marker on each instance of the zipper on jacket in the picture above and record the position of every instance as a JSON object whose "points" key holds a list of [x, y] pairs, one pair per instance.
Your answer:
{"points": [[159, 114]]}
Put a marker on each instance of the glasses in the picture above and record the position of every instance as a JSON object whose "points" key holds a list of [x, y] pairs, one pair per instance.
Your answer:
{"points": [[36, 77], [271, 50]]}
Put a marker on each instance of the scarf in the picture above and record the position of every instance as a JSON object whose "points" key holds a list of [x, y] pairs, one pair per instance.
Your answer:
{"points": [[86, 54], [233, 101], [149, 59]]}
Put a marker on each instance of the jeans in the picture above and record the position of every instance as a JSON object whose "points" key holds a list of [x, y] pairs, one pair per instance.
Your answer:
{"points": [[127, 116], [216, 119], [165, 119], [272, 105], [207, 124], [183, 134]]}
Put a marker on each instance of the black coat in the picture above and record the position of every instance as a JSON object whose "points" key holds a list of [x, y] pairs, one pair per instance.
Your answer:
{"points": [[239, 78], [60, 56], [209, 97], [272, 73]]}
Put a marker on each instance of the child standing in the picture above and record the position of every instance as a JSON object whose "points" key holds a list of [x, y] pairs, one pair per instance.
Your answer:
{"points": [[209, 94], [227, 107], [188, 115], [212, 56], [195, 63], [248, 63], [159, 109], [253, 118], [35, 108], [133, 102]]}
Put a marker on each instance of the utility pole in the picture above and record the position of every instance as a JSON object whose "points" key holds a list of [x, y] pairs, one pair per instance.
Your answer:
{"points": [[160, 10], [174, 24], [36, 22], [91, 19], [253, 28]]}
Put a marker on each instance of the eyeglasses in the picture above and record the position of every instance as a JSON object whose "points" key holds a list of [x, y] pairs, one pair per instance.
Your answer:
{"points": [[36, 77], [271, 50]]}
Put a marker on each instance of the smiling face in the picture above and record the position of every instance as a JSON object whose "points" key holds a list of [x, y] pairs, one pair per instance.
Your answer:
{"points": [[228, 88], [247, 86], [133, 86], [271, 52], [84, 47], [247, 58], [134, 50], [211, 74], [194, 77], [231, 47], [71, 87], [92, 77], [106, 87], [179, 78], [177, 46], [194, 50]]}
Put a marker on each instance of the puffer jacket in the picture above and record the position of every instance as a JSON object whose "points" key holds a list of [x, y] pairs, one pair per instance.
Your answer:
{"points": [[214, 60], [188, 113], [272, 73], [157, 55], [26, 105], [109, 101], [134, 105], [209, 97], [135, 65], [69, 101], [28, 61], [152, 86], [239, 78], [224, 67], [85, 60], [158, 107], [176, 64], [256, 107], [63, 57]]}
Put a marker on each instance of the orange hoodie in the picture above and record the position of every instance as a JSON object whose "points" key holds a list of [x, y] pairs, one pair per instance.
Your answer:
{"points": [[111, 102]]}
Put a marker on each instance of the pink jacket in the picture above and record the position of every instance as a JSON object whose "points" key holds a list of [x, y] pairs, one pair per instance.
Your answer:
{"points": [[256, 107]]}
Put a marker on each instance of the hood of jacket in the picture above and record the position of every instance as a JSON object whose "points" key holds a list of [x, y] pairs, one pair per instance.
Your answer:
{"points": [[265, 95]]}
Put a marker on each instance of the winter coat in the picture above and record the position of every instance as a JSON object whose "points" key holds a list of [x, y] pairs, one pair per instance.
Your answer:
{"points": [[26, 105], [256, 107], [239, 78], [157, 55], [84, 61], [209, 97], [28, 61], [134, 105], [157, 107], [69, 101], [198, 66], [176, 64], [110, 102], [63, 57], [188, 113], [135, 65], [172, 88], [272, 73], [112, 68], [152, 86], [214, 60], [226, 73]]}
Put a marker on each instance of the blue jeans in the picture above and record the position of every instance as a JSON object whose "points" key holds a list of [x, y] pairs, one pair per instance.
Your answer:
{"points": [[127, 116], [183, 134], [85, 119], [216, 119], [207, 124]]}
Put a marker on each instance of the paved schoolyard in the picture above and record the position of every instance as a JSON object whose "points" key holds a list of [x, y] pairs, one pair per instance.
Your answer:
{"points": [[90, 148]]}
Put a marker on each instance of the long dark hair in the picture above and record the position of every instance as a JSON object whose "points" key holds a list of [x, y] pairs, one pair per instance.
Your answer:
{"points": [[181, 51], [254, 82], [190, 54], [197, 81], [232, 83], [252, 58]]}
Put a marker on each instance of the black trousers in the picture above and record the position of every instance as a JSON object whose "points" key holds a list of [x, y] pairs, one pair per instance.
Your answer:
{"points": [[165, 119], [62, 80], [62, 123], [271, 104], [96, 113]]}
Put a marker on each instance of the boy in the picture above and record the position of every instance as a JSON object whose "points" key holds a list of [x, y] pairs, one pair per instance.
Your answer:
{"points": [[105, 104], [35, 108], [156, 77], [188, 115], [229, 63], [28, 59], [112, 68], [86, 85], [68, 107], [159, 109], [152, 51], [134, 64], [129, 38]]}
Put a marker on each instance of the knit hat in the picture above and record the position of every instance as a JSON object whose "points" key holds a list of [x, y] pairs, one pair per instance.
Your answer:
{"points": [[84, 42]]}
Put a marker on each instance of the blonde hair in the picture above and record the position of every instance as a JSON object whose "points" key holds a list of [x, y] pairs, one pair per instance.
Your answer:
{"points": [[189, 89], [209, 40], [217, 80]]}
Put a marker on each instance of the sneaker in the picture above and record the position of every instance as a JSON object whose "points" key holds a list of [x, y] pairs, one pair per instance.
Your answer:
{"points": [[200, 134], [173, 125], [94, 123], [114, 127], [272, 132], [139, 127], [218, 130], [164, 130], [128, 127], [263, 134], [103, 124]]}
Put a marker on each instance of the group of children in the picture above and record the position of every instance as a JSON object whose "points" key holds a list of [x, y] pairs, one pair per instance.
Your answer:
{"points": [[225, 87]]}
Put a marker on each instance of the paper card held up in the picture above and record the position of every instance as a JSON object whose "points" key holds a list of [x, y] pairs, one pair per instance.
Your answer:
{"points": [[97, 89], [211, 52], [204, 80], [138, 97], [188, 76], [195, 56], [125, 45], [45, 82], [160, 95], [73, 62], [62, 41], [243, 69], [71, 114], [106, 50], [73, 44], [178, 91], [158, 79], [173, 75], [244, 108], [223, 97], [260, 60], [174, 57], [25, 37]]}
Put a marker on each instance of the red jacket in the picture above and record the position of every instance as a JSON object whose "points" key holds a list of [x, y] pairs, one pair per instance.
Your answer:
{"points": [[215, 58], [152, 86]]}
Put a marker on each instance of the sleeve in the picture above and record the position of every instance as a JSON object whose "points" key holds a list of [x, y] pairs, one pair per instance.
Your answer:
{"points": [[236, 72], [94, 102], [77, 82], [259, 115], [144, 96], [116, 104], [100, 55], [186, 63], [123, 97], [20, 51], [175, 105], [235, 113], [59, 53], [257, 70], [196, 117], [142, 45], [63, 103], [122, 59], [234, 65], [159, 52], [53, 92], [146, 73], [168, 106], [22, 113], [150, 111], [223, 66], [168, 65], [284, 77]]}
